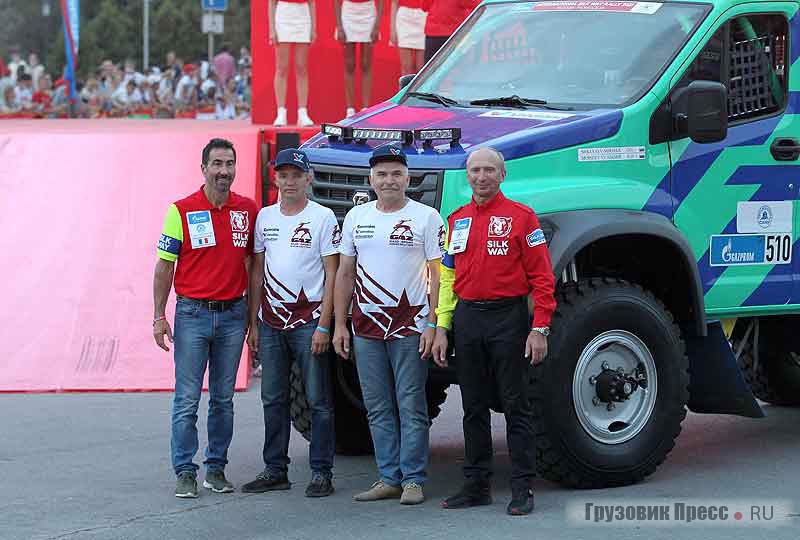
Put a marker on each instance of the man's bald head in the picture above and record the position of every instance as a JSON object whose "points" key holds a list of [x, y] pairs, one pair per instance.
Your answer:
{"points": [[486, 170], [490, 153]]}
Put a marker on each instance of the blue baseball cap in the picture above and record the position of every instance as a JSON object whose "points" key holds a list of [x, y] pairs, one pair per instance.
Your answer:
{"points": [[388, 152], [292, 156]]}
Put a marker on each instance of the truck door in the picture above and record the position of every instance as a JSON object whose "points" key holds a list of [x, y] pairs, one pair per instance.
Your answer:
{"points": [[736, 200]]}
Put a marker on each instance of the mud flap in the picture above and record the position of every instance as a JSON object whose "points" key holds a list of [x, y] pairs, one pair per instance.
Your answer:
{"points": [[715, 383]]}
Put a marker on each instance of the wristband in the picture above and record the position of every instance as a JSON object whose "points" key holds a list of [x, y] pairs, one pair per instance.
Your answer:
{"points": [[431, 325], [162, 318], [324, 330]]}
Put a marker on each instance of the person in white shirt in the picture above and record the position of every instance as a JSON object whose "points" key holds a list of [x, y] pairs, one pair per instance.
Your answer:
{"points": [[389, 261], [291, 304]]}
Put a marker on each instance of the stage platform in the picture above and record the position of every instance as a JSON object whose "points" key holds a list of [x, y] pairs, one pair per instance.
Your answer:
{"points": [[83, 206]]}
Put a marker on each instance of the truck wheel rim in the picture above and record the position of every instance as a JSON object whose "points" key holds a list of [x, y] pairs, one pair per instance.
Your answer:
{"points": [[616, 348]]}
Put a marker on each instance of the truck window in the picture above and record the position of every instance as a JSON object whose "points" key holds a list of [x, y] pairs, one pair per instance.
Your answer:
{"points": [[577, 54], [748, 56]]}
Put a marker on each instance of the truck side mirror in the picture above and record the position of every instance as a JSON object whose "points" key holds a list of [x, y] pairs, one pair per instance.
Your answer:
{"points": [[703, 111], [405, 80]]}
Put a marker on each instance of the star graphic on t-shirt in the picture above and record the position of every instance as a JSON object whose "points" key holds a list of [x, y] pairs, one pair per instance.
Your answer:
{"points": [[402, 315], [301, 310]]}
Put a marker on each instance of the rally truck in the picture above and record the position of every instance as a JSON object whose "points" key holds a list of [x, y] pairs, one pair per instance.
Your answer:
{"points": [[658, 142]]}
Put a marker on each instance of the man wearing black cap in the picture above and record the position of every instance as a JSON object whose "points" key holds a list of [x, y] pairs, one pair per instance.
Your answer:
{"points": [[389, 249], [291, 303]]}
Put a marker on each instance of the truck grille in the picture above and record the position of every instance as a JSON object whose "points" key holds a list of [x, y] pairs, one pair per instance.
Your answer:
{"points": [[336, 186]]}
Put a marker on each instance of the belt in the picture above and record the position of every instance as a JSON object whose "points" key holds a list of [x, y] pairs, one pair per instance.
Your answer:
{"points": [[213, 305], [494, 304]]}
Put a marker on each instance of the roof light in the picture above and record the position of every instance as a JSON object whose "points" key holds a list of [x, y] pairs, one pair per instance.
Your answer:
{"points": [[427, 136]]}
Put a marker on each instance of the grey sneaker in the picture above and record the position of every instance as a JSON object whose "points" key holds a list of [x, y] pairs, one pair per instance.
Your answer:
{"points": [[186, 485], [320, 486], [267, 481], [215, 481]]}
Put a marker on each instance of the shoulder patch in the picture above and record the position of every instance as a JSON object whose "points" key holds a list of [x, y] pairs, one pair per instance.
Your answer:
{"points": [[535, 238]]}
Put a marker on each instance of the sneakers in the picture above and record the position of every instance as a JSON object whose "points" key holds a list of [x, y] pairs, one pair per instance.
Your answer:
{"points": [[473, 493], [186, 485], [303, 119], [267, 481], [521, 502], [320, 486], [215, 481], [412, 494], [280, 119], [379, 491], [350, 112]]}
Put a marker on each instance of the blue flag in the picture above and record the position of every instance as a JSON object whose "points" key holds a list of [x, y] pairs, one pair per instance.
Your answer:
{"points": [[71, 15]]}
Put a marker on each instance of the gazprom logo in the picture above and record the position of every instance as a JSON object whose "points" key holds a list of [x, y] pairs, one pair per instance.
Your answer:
{"points": [[737, 249]]}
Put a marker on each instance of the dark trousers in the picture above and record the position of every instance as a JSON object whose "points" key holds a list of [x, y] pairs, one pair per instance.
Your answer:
{"points": [[433, 44], [490, 360]]}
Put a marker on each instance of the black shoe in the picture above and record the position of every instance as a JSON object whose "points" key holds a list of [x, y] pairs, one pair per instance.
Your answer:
{"points": [[320, 486], [521, 502], [473, 493], [267, 481]]}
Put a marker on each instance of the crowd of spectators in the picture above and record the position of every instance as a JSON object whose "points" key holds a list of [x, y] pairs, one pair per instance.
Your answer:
{"points": [[220, 89]]}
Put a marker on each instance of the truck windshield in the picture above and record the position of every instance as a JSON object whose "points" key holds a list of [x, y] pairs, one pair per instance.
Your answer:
{"points": [[558, 54]]}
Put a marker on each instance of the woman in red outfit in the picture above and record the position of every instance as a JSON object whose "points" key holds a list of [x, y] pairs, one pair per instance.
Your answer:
{"points": [[408, 33], [444, 16], [292, 24], [357, 21]]}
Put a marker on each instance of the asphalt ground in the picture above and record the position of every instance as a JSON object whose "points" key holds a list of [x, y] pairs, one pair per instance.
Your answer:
{"points": [[96, 466]]}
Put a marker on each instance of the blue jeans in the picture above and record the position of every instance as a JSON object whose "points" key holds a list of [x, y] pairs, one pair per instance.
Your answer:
{"points": [[274, 349], [214, 338], [393, 378]]}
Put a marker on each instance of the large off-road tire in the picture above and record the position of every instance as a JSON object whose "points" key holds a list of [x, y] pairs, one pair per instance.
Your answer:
{"points": [[775, 377], [586, 445], [350, 417]]}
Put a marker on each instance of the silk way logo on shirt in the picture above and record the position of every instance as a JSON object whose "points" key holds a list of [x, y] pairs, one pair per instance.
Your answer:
{"points": [[401, 234], [499, 227], [240, 220], [497, 247], [301, 237]]}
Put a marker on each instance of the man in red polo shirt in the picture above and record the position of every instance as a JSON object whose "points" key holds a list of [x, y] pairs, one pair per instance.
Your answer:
{"points": [[444, 16], [496, 258], [210, 235]]}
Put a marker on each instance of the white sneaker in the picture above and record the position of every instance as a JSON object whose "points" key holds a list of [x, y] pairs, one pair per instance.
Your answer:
{"points": [[350, 112], [303, 119], [280, 120]]}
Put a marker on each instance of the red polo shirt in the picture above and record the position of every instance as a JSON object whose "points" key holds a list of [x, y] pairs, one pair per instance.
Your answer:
{"points": [[210, 245], [506, 256], [444, 16]]}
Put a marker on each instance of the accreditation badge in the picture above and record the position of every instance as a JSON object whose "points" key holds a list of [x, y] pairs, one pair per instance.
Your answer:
{"points": [[459, 236], [201, 229]]}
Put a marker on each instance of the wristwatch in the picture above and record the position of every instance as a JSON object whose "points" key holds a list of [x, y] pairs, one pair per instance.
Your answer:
{"points": [[544, 330]]}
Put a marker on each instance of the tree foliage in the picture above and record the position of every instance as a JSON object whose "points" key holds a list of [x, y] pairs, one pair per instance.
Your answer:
{"points": [[112, 29]]}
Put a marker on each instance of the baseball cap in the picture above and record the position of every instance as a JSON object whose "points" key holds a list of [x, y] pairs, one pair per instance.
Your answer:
{"points": [[292, 156], [388, 152]]}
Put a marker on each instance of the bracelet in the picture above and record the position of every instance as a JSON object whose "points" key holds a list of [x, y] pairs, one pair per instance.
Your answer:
{"points": [[431, 325], [162, 318], [324, 330]]}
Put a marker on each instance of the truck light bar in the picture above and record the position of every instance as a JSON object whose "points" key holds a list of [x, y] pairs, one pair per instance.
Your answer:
{"points": [[407, 137], [400, 135], [427, 136]]}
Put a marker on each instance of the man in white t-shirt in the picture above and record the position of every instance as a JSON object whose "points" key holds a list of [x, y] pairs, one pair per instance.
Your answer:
{"points": [[390, 254], [291, 304]]}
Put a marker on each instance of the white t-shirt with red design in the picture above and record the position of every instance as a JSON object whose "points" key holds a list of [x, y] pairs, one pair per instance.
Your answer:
{"points": [[392, 250], [294, 276]]}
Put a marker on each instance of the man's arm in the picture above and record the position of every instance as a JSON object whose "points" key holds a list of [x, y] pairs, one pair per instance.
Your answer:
{"points": [[342, 296], [321, 339], [541, 281], [162, 283], [429, 334], [255, 295]]}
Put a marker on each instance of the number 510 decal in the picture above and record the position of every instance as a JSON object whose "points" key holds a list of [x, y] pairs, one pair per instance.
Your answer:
{"points": [[749, 249]]}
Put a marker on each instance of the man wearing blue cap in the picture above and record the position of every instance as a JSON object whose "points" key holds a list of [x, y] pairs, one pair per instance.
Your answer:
{"points": [[291, 303], [389, 259]]}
